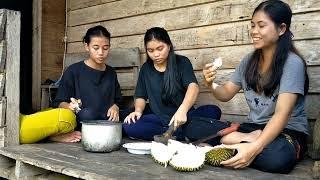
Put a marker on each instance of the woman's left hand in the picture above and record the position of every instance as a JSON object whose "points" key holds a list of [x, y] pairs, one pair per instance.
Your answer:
{"points": [[247, 152], [113, 113], [179, 118]]}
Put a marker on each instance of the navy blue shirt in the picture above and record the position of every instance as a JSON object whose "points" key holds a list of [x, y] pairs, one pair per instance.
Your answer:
{"points": [[98, 90], [150, 86]]}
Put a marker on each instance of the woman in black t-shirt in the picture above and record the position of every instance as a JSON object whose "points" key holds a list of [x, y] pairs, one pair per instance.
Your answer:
{"points": [[168, 82]]}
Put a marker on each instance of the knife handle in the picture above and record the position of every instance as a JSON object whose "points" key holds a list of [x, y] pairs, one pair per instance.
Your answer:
{"points": [[233, 127], [169, 131]]}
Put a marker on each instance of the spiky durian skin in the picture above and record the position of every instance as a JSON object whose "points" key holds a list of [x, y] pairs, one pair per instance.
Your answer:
{"points": [[164, 164], [185, 169], [215, 156]]}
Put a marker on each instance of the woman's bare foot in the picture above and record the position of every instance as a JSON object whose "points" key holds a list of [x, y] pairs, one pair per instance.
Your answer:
{"points": [[74, 136], [237, 137], [252, 136]]}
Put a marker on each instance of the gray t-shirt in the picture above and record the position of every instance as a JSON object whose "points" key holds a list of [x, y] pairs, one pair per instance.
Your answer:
{"points": [[262, 107]]}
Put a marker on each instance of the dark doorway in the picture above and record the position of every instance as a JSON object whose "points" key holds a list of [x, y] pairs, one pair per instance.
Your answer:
{"points": [[25, 7]]}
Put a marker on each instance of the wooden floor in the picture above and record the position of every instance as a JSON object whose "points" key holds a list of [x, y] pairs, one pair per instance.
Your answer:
{"points": [[72, 160]]}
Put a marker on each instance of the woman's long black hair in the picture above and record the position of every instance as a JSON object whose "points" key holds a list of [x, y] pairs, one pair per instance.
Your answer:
{"points": [[171, 85], [279, 12], [96, 31]]}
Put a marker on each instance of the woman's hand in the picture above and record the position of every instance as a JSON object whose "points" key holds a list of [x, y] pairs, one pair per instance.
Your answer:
{"points": [[209, 72], [113, 113], [179, 118], [133, 117], [247, 152]]}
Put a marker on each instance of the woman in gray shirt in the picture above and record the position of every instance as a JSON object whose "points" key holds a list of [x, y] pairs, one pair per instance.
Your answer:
{"points": [[274, 81]]}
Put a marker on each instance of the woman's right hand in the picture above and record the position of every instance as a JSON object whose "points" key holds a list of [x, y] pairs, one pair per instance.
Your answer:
{"points": [[133, 117], [209, 73]]}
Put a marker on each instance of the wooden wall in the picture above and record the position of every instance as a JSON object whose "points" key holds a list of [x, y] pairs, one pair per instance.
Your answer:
{"points": [[52, 38], [201, 30]]}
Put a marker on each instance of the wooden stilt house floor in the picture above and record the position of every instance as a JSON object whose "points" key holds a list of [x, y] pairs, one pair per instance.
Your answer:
{"points": [[72, 160]]}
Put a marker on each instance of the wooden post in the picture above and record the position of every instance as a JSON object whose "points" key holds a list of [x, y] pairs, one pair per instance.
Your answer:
{"points": [[12, 91], [2, 23], [36, 54], [26, 170], [315, 150], [3, 51]]}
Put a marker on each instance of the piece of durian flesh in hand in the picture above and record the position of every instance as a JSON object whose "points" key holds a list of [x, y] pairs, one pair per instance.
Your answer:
{"points": [[189, 158]]}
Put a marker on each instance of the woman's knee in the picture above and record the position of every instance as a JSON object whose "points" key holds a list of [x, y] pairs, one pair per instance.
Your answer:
{"points": [[209, 111], [67, 121]]}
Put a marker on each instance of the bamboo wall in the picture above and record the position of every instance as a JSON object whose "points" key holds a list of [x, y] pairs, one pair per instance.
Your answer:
{"points": [[201, 30]]}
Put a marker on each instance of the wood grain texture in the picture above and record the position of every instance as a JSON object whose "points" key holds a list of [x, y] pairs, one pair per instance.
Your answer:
{"points": [[76, 4], [2, 23], [221, 35], [12, 91], [3, 54], [187, 17], [72, 160], [3, 136], [3, 108]]}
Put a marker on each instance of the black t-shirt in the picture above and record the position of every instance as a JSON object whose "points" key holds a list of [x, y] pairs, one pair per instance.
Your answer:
{"points": [[98, 90], [150, 86]]}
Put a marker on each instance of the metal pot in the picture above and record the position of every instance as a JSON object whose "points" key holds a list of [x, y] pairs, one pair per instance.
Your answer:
{"points": [[101, 136]]}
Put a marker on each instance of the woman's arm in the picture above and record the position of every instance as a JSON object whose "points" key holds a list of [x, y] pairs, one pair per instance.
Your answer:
{"points": [[139, 105], [222, 92], [180, 117], [248, 151]]}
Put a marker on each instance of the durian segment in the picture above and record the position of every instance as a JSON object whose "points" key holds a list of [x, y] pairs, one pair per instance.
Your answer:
{"points": [[215, 156], [189, 158], [161, 153]]}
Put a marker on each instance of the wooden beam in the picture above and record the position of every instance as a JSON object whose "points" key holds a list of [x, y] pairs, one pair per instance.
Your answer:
{"points": [[12, 91], [24, 170], [2, 23], [36, 54], [3, 136], [3, 107], [6, 167], [218, 12], [220, 35], [3, 51], [76, 4]]}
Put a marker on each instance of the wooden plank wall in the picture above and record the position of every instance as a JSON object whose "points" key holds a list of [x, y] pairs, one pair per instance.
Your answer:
{"points": [[201, 30], [52, 38]]}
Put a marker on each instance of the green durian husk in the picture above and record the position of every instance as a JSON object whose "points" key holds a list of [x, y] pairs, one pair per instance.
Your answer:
{"points": [[185, 169], [215, 156]]}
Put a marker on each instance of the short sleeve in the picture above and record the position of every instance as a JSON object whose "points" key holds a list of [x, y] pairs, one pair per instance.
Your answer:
{"points": [[187, 73], [141, 91], [293, 77]]}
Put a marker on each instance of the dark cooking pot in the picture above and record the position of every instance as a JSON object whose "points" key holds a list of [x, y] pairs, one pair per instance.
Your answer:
{"points": [[101, 135]]}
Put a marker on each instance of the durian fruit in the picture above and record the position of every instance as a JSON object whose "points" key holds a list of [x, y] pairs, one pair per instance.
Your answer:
{"points": [[215, 156], [161, 153], [188, 158]]}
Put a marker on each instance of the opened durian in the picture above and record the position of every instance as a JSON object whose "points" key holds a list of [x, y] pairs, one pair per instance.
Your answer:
{"points": [[162, 153], [215, 156], [188, 158]]}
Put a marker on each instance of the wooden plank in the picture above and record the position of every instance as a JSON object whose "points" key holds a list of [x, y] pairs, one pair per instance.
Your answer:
{"points": [[3, 107], [24, 170], [54, 11], [125, 8], [3, 136], [2, 83], [3, 51], [118, 57], [232, 55], [12, 91], [238, 105], [192, 16], [6, 167], [217, 35], [316, 170], [76, 4], [224, 75], [72, 160], [36, 53], [2, 23]]}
